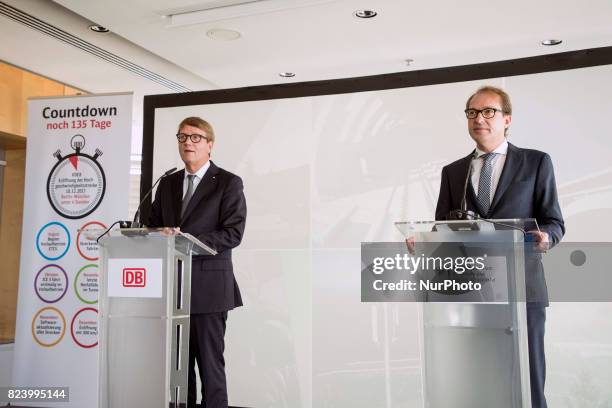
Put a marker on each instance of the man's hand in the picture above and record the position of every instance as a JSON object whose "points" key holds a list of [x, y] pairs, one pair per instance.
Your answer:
{"points": [[410, 242], [541, 239], [166, 231]]}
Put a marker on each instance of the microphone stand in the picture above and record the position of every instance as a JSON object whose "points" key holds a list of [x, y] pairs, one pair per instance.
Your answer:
{"points": [[127, 226], [463, 213]]}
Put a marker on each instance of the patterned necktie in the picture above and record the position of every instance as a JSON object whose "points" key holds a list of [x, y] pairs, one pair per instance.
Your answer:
{"points": [[484, 183], [189, 193]]}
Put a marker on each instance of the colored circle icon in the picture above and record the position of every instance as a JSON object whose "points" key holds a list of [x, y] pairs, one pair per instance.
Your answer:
{"points": [[48, 326], [51, 283], [86, 244], [84, 327], [53, 241], [86, 284]]}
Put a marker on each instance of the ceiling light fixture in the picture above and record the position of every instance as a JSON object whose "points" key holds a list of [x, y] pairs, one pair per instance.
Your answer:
{"points": [[223, 34], [408, 61], [287, 74], [98, 28], [365, 13], [551, 42], [230, 9]]}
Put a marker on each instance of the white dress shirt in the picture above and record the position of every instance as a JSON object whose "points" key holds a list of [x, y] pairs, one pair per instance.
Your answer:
{"points": [[199, 175], [498, 165]]}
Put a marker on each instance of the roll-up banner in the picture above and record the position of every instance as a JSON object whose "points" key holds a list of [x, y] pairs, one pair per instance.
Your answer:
{"points": [[77, 177]]}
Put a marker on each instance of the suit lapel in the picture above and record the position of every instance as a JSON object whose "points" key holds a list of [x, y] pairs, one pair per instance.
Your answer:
{"points": [[207, 185], [177, 196], [513, 162], [471, 199], [463, 171]]}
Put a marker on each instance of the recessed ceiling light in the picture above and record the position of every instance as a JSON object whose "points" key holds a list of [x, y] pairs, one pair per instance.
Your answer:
{"points": [[223, 34], [365, 13], [551, 42], [287, 74], [98, 28]]}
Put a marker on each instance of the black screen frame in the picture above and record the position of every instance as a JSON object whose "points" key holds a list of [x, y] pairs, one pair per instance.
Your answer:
{"points": [[584, 58]]}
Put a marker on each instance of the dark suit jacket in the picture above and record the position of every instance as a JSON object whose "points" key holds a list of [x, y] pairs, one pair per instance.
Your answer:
{"points": [[526, 189], [216, 215]]}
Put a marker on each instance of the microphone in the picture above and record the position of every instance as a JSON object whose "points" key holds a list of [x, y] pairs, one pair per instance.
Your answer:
{"points": [[502, 224], [463, 213], [136, 222]]}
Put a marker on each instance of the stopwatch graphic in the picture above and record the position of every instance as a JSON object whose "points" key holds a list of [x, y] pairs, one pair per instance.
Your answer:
{"points": [[76, 183]]}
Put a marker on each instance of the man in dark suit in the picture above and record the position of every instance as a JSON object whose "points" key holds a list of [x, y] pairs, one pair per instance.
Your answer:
{"points": [[508, 182], [207, 202]]}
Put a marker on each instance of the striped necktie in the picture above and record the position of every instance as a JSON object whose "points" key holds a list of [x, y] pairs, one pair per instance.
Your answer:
{"points": [[484, 183]]}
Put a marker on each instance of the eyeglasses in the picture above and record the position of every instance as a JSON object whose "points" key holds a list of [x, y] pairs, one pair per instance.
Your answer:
{"points": [[487, 113], [195, 138]]}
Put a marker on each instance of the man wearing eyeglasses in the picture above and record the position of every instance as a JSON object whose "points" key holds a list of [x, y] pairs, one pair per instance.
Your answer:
{"points": [[207, 202], [508, 182]]}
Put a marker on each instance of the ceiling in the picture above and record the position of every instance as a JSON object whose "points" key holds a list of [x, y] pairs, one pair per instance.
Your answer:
{"points": [[315, 39]]}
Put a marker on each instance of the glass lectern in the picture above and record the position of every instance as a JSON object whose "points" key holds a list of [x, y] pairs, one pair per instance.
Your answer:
{"points": [[144, 304], [474, 350]]}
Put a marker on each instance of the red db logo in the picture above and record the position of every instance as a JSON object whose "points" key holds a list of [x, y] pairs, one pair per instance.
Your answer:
{"points": [[134, 277]]}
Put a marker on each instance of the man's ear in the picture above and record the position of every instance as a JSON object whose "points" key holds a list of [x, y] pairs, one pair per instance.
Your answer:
{"points": [[507, 121]]}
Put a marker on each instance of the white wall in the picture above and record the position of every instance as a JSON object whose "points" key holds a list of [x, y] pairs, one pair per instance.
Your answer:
{"points": [[322, 174]]}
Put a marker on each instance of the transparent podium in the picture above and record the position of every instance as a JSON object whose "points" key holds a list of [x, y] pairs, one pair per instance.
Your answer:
{"points": [[474, 343], [144, 302]]}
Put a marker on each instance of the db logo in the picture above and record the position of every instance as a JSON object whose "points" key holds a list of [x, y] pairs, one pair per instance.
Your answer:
{"points": [[134, 277]]}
